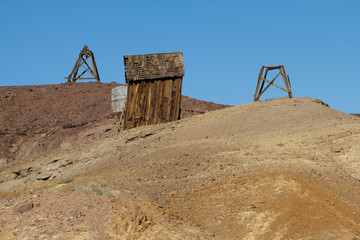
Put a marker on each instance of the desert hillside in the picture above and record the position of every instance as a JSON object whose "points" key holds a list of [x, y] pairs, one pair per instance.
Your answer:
{"points": [[38, 119], [279, 169]]}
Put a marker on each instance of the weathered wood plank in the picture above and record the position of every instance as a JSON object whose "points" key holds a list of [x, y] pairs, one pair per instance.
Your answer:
{"points": [[270, 83], [177, 99], [132, 107], [256, 96], [273, 67], [262, 83], [143, 102], [160, 102], [148, 96], [153, 66], [140, 105], [125, 113], [287, 82], [156, 102], [122, 118], [168, 84], [95, 68], [172, 100], [164, 103], [151, 102], [174, 110], [274, 84]]}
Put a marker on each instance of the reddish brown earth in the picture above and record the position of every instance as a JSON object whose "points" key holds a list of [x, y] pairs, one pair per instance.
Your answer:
{"points": [[279, 169], [38, 119]]}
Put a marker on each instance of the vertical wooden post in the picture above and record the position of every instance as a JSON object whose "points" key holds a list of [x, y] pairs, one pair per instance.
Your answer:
{"points": [[258, 84]]}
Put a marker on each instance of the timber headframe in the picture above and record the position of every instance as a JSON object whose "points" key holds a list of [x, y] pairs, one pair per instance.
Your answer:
{"points": [[84, 55], [262, 79]]}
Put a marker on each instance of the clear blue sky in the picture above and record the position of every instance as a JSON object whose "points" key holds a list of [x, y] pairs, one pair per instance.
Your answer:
{"points": [[224, 43]]}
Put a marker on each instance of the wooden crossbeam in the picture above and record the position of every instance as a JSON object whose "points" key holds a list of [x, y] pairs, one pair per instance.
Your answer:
{"points": [[275, 84], [83, 61], [77, 78], [88, 67], [272, 82], [272, 67]]}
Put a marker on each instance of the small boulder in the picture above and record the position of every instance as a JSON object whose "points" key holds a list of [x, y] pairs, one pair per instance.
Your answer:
{"points": [[44, 176], [26, 207], [68, 125]]}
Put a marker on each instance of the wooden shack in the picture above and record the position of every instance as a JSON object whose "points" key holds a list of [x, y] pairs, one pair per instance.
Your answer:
{"points": [[154, 89]]}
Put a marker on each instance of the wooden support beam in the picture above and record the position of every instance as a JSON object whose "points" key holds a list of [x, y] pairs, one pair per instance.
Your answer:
{"points": [[258, 84], [275, 85], [77, 78], [287, 82], [262, 84], [273, 67], [95, 68], [270, 83]]}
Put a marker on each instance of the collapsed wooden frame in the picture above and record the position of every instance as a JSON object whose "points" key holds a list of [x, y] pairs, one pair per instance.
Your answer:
{"points": [[262, 79], [84, 55]]}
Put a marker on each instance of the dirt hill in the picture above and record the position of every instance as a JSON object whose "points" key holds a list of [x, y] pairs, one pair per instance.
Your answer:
{"points": [[279, 169], [38, 119]]}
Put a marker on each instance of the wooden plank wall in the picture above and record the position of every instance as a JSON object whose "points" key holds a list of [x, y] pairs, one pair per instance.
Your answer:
{"points": [[152, 101]]}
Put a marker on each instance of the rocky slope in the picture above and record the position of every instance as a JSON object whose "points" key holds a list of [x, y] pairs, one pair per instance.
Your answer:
{"points": [[279, 169], [38, 119]]}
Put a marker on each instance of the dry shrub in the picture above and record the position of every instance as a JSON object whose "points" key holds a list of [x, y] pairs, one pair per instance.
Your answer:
{"points": [[95, 188], [66, 179]]}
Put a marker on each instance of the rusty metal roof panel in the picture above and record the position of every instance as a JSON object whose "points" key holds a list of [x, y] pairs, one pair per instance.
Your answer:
{"points": [[153, 66]]}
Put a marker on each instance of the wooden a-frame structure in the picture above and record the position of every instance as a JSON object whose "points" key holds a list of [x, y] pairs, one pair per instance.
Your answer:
{"points": [[84, 55], [262, 79]]}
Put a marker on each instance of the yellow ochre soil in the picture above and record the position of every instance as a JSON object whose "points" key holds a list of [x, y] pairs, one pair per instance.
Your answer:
{"points": [[279, 169]]}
